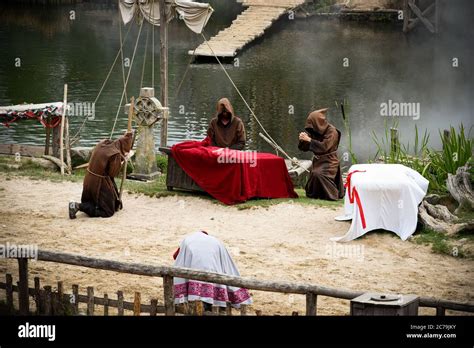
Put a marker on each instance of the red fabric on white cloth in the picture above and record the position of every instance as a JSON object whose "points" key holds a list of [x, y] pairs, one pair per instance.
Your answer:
{"points": [[200, 251], [382, 196]]}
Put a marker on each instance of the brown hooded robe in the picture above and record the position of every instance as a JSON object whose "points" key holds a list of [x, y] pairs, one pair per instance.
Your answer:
{"points": [[231, 135], [100, 196], [325, 181]]}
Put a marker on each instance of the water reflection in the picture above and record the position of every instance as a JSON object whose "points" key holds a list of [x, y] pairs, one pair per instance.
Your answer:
{"points": [[297, 66]]}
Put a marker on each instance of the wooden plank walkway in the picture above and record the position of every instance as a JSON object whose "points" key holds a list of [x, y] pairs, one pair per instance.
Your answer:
{"points": [[249, 25]]}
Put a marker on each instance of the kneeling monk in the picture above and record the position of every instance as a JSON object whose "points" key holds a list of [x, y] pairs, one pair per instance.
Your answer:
{"points": [[226, 129], [322, 138], [100, 196]]}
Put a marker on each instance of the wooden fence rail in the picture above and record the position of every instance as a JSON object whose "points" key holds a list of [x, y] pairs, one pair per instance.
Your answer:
{"points": [[167, 273]]}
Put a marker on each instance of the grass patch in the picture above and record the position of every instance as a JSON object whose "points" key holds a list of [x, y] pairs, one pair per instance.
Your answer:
{"points": [[157, 188], [442, 243]]}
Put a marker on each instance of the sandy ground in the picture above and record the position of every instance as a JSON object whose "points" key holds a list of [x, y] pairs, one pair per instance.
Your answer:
{"points": [[287, 242]]}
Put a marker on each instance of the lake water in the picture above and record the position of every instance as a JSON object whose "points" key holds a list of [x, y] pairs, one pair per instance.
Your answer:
{"points": [[296, 67]]}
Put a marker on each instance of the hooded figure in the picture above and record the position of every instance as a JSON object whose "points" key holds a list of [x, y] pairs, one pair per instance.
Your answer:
{"points": [[226, 129], [322, 138], [203, 252], [100, 196]]}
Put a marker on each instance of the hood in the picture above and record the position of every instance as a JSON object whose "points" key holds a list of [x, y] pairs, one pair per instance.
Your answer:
{"points": [[317, 122], [224, 102]]}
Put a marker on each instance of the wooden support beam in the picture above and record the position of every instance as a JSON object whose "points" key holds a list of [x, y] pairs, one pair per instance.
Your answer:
{"points": [[153, 307], [23, 296], [90, 300], [37, 296], [106, 305], [137, 304], [61, 136], [311, 303], [440, 311], [169, 295], [119, 303], [425, 13], [164, 70], [75, 304], [9, 290], [419, 14], [47, 300]]}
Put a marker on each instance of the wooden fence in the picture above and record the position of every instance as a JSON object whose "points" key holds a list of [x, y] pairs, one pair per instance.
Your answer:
{"points": [[59, 303]]}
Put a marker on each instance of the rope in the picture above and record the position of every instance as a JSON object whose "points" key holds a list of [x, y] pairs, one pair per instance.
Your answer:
{"points": [[153, 47], [246, 104], [185, 73], [76, 136], [126, 82], [121, 53]]}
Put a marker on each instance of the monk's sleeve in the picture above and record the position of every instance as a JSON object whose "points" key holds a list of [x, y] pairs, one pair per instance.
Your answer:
{"points": [[329, 141], [115, 163], [303, 145], [211, 134], [125, 143], [240, 144]]}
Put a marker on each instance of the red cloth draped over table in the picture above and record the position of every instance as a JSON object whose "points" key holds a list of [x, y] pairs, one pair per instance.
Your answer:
{"points": [[261, 175]]}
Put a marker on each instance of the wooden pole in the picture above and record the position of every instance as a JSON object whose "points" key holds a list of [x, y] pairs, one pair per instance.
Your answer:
{"points": [[61, 135], [169, 295], [47, 141], [23, 295], [311, 303], [68, 147], [164, 71], [9, 290], [129, 129], [90, 300]]}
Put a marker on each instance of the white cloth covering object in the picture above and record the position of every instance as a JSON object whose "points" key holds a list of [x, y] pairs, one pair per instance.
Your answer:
{"points": [[382, 196], [200, 251], [194, 14]]}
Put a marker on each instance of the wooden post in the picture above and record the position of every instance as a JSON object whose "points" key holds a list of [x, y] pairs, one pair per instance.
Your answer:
{"points": [[59, 300], [106, 305], [164, 70], [56, 141], [311, 302], [153, 307], [137, 304], [9, 290], [228, 310], [258, 313], [294, 314], [61, 136], [75, 293], [406, 16], [38, 301], [47, 141], [47, 300], [440, 311], [119, 303], [23, 295], [68, 147], [169, 295], [90, 300]]}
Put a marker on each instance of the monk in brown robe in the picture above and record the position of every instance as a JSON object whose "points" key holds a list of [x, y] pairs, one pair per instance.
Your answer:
{"points": [[226, 129], [100, 196], [322, 138]]}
